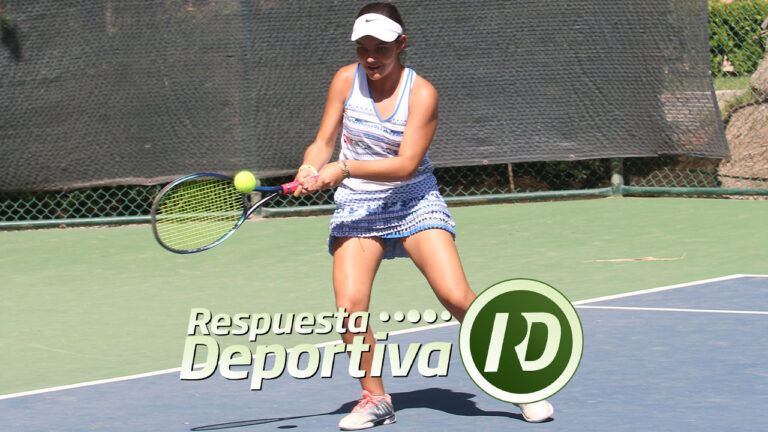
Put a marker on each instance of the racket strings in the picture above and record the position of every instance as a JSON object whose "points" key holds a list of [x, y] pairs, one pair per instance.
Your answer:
{"points": [[196, 213]]}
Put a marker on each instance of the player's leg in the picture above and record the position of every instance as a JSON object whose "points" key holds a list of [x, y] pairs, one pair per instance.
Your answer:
{"points": [[355, 262], [434, 253]]}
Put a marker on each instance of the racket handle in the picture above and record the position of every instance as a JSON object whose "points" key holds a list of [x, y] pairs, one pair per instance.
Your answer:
{"points": [[289, 188]]}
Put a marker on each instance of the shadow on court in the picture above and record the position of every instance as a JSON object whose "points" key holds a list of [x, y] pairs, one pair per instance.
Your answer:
{"points": [[438, 399]]}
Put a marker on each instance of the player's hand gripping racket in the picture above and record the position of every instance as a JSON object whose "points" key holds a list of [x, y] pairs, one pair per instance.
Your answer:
{"points": [[199, 211]]}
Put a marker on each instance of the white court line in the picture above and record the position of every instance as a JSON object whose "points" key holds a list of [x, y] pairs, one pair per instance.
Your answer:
{"points": [[720, 311], [89, 383], [412, 330], [178, 369], [665, 288]]}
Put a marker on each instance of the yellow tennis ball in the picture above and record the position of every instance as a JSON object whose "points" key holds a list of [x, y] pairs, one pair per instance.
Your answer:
{"points": [[245, 181]]}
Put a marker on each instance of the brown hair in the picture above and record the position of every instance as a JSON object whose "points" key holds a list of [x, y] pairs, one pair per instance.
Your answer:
{"points": [[387, 9]]}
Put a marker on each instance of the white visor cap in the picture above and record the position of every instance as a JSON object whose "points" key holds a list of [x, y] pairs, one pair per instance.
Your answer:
{"points": [[378, 26]]}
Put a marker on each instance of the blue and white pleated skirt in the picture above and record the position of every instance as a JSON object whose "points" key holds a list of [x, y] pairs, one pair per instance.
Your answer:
{"points": [[390, 214]]}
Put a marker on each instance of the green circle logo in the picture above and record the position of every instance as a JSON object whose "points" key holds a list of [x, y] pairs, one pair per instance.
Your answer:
{"points": [[521, 341]]}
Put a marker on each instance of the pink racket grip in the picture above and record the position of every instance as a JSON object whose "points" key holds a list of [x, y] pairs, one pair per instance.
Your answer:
{"points": [[289, 188]]}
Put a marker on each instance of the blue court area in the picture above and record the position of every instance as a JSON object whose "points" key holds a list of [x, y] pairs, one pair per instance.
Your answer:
{"points": [[683, 358]]}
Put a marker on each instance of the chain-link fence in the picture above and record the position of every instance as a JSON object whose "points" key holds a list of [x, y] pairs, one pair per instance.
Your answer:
{"points": [[738, 34]]}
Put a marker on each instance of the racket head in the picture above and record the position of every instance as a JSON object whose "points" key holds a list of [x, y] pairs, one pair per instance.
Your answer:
{"points": [[197, 212]]}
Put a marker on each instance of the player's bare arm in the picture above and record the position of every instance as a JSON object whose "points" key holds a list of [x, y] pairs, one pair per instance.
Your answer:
{"points": [[419, 131], [320, 151]]}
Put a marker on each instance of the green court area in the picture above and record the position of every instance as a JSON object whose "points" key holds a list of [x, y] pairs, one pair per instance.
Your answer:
{"points": [[84, 304]]}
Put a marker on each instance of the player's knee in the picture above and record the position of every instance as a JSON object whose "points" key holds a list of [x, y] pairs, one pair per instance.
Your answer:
{"points": [[457, 300], [351, 304]]}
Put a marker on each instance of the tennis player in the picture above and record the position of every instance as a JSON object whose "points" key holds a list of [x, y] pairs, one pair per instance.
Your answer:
{"points": [[388, 204]]}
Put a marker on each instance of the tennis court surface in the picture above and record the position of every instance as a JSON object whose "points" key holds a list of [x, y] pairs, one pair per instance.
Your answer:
{"points": [[684, 357], [104, 102]]}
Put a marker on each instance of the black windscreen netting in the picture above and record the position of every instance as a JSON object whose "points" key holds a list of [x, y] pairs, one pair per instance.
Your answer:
{"points": [[135, 92]]}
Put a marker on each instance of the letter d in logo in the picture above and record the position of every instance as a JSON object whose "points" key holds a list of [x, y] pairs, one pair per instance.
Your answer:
{"points": [[497, 341], [514, 314], [553, 341]]}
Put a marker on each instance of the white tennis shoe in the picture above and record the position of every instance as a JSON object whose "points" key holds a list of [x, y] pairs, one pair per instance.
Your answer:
{"points": [[536, 412], [370, 411]]}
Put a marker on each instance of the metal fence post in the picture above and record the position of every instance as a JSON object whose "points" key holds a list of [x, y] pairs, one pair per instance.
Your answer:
{"points": [[617, 177]]}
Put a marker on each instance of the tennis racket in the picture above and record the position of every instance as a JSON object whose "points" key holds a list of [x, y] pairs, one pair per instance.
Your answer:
{"points": [[199, 211]]}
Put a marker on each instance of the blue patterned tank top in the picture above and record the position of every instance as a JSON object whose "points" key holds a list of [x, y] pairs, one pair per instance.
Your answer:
{"points": [[366, 136]]}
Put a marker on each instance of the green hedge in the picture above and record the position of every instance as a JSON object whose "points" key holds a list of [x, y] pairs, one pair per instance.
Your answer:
{"points": [[734, 31]]}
